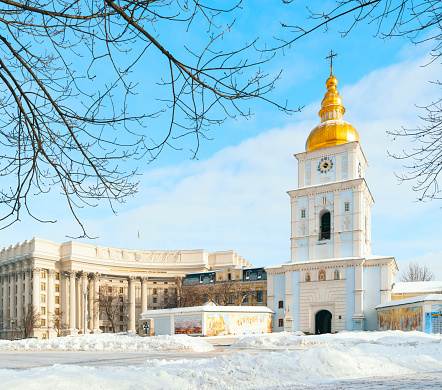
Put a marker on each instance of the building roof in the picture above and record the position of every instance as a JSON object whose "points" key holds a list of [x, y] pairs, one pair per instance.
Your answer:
{"points": [[407, 301], [417, 287], [209, 307], [366, 257]]}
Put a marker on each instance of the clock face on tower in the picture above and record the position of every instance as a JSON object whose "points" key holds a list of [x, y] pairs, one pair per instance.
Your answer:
{"points": [[325, 165]]}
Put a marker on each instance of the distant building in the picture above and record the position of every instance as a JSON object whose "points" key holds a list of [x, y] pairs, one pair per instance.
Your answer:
{"points": [[403, 290], [65, 278], [230, 286]]}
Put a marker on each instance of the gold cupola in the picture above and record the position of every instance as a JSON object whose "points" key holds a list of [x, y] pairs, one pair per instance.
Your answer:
{"points": [[332, 130]]}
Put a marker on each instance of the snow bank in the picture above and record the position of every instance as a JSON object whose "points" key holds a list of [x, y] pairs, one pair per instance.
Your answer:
{"points": [[297, 340], [111, 342], [283, 369]]}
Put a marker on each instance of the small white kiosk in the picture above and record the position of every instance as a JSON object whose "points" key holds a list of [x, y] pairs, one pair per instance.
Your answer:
{"points": [[209, 320]]}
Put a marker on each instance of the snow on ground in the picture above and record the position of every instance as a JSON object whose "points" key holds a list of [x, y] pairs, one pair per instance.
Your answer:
{"points": [[296, 340], [111, 342], [323, 360]]}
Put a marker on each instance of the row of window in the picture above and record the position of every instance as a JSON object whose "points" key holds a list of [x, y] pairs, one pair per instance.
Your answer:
{"points": [[346, 209], [43, 311], [43, 275], [229, 276], [322, 275]]}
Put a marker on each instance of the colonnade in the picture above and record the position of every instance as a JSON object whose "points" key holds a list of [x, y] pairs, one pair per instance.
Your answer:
{"points": [[72, 294]]}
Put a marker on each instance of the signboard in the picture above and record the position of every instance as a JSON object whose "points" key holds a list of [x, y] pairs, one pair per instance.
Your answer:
{"points": [[189, 325]]}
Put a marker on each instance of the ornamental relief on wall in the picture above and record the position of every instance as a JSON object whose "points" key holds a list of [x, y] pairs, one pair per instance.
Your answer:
{"points": [[141, 256]]}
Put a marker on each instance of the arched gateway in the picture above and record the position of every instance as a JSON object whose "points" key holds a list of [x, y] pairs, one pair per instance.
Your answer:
{"points": [[323, 319]]}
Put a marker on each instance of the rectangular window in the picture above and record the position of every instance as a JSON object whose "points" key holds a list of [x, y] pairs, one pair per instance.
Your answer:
{"points": [[232, 299], [303, 213], [201, 278], [57, 311], [57, 288], [43, 287], [57, 300], [154, 300], [259, 274], [121, 290], [109, 290], [246, 299], [259, 296], [43, 274], [154, 291], [43, 310], [165, 301], [281, 322], [43, 299], [281, 305], [121, 318], [247, 274], [121, 309], [121, 299], [347, 206], [43, 323], [57, 276], [166, 291], [212, 277]]}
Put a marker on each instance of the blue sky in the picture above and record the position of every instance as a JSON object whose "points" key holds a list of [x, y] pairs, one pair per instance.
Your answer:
{"points": [[234, 195]]}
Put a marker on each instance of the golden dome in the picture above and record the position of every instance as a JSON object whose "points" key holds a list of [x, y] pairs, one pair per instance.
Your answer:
{"points": [[332, 130]]}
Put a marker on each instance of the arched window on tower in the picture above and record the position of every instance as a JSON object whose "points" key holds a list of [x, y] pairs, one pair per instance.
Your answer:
{"points": [[324, 222], [336, 275], [321, 274]]}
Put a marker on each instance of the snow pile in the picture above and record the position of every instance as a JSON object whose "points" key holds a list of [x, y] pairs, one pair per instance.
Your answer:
{"points": [[111, 342], [297, 340], [301, 369]]}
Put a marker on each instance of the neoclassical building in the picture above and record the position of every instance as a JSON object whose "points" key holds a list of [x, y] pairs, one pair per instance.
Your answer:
{"points": [[65, 278], [333, 282]]}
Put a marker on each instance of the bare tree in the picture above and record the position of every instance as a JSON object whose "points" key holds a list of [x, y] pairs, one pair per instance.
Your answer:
{"points": [[416, 273], [58, 322], [70, 89], [31, 320], [111, 305], [420, 22]]}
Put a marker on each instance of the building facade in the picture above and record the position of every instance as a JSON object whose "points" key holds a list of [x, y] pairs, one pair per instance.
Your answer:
{"points": [[62, 283], [333, 282], [230, 286]]}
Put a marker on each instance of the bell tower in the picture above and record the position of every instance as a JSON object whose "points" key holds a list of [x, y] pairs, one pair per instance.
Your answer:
{"points": [[331, 209]]}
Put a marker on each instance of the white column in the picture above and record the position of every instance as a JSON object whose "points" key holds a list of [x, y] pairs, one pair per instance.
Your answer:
{"points": [[36, 289], [5, 299], [64, 297], [78, 300], [12, 296], [131, 280], [144, 294], [96, 315], [28, 274], [90, 306], [288, 317], [359, 293], [72, 300], [83, 297], [50, 294], [20, 298]]}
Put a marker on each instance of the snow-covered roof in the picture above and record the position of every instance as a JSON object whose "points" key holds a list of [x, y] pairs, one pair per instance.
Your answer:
{"points": [[223, 269], [417, 287], [367, 257], [407, 301], [209, 308]]}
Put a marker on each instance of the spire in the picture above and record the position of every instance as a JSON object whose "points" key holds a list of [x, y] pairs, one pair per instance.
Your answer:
{"points": [[331, 106], [332, 130]]}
